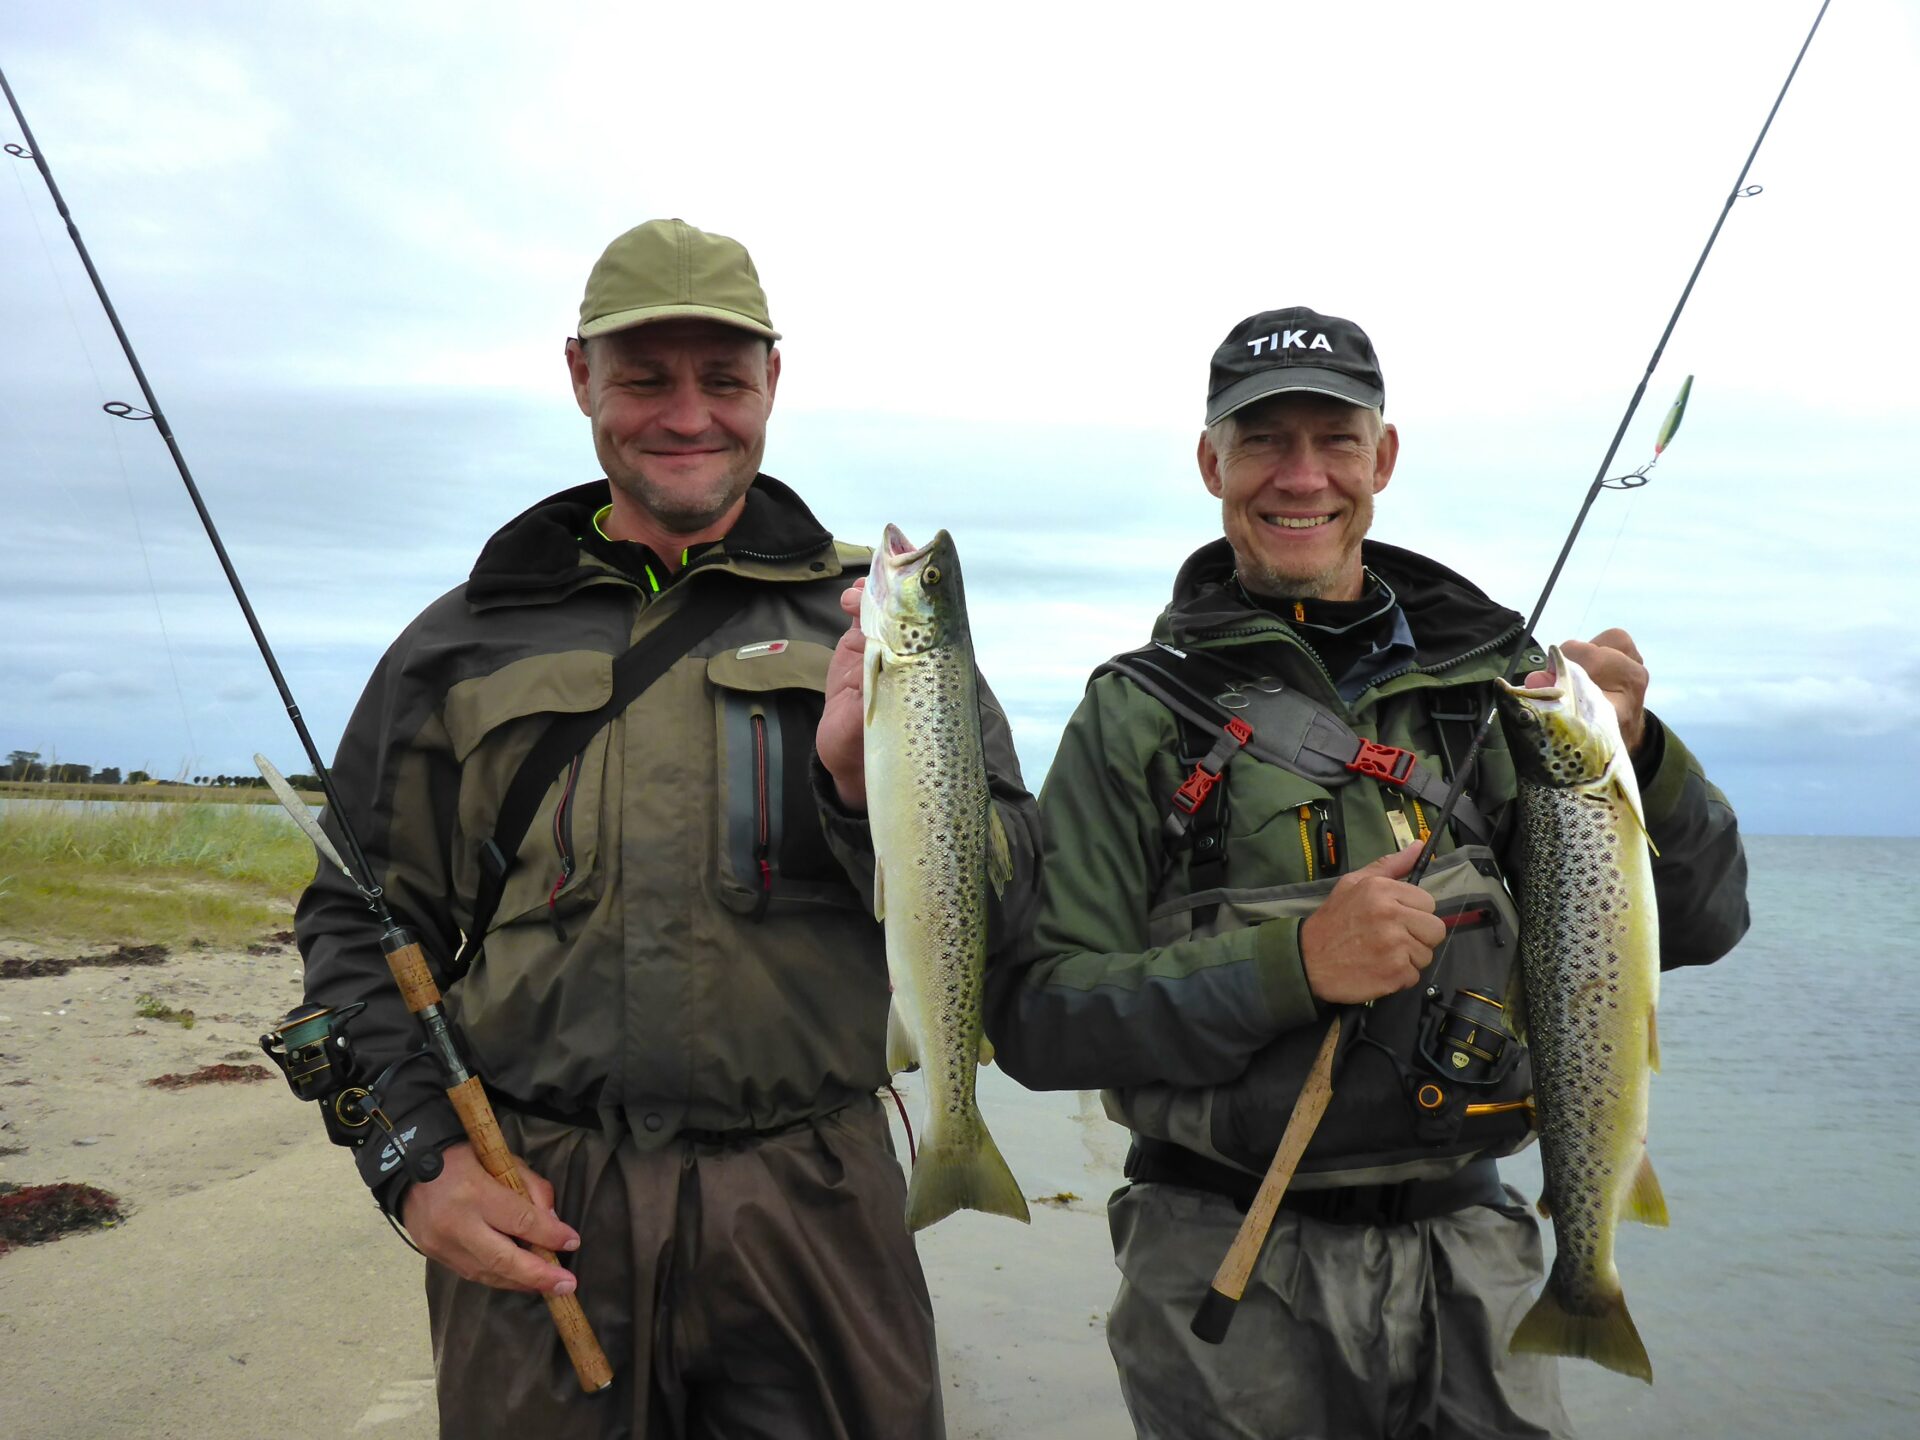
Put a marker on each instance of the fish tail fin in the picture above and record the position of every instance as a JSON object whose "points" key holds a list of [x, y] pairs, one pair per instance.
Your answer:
{"points": [[1646, 1201], [1609, 1338], [952, 1175]]}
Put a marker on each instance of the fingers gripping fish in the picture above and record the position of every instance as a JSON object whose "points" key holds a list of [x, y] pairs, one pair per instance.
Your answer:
{"points": [[1589, 949], [938, 844]]}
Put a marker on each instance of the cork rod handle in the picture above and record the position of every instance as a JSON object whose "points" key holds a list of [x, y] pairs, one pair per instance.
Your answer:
{"points": [[469, 1099], [1215, 1314]]}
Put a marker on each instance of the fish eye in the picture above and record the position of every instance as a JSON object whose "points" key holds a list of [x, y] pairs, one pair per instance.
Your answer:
{"points": [[932, 575]]}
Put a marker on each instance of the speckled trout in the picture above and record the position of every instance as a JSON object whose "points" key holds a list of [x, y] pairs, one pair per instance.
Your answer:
{"points": [[1590, 961], [938, 844]]}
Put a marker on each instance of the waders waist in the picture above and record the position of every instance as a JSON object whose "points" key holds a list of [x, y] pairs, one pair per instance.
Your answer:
{"points": [[588, 1119], [1476, 1183]]}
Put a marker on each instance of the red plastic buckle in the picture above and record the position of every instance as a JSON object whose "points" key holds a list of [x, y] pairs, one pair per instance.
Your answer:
{"points": [[1239, 730], [1388, 764], [1193, 792]]}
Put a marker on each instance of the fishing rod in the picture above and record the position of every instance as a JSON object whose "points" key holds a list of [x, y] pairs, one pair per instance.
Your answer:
{"points": [[1216, 1310], [306, 1046]]}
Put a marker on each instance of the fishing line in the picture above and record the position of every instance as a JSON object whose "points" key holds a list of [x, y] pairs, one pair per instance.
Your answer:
{"points": [[1631, 481], [120, 459]]}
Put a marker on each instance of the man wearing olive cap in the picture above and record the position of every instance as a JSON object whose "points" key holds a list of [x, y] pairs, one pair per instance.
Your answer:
{"points": [[680, 1003], [1228, 822]]}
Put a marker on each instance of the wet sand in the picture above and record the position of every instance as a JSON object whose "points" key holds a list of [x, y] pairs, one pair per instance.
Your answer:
{"points": [[253, 1289]]}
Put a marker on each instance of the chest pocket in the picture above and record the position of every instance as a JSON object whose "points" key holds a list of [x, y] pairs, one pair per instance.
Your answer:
{"points": [[771, 855], [491, 722]]}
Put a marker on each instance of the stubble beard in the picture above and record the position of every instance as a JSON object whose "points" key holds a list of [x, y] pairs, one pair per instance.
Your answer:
{"points": [[1261, 577], [680, 513]]}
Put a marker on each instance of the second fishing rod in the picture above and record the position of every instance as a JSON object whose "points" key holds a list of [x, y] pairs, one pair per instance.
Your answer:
{"points": [[1215, 1313], [310, 1045]]}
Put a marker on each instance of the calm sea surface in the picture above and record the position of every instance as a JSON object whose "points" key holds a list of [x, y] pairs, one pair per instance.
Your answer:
{"points": [[1785, 1299]]}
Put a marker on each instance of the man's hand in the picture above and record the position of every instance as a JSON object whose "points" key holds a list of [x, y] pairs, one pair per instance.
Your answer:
{"points": [[467, 1220], [842, 736], [1373, 934], [1614, 662]]}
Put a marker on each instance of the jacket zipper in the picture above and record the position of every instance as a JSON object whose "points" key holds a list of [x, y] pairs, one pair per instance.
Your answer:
{"points": [[563, 842], [762, 839]]}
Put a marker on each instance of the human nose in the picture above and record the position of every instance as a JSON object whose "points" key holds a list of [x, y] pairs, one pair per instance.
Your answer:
{"points": [[686, 411], [1296, 472]]}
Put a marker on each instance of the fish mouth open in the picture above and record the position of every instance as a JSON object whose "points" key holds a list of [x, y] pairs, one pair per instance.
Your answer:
{"points": [[898, 558], [1556, 688]]}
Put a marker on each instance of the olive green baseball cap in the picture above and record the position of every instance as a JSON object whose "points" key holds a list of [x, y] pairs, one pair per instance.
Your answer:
{"points": [[668, 270]]}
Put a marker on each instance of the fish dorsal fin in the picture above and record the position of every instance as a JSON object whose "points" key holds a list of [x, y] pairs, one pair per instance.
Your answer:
{"points": [[1653, 1039], [999, 852], [986, 1051], [1646, 1202]]}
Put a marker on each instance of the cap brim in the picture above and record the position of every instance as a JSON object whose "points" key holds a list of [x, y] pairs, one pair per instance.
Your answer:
{"points": [[652, 314], [1281, 379]]}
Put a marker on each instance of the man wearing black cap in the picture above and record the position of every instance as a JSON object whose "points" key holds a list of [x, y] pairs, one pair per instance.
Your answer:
{"points": [[680, 1003], [1228, 822]]}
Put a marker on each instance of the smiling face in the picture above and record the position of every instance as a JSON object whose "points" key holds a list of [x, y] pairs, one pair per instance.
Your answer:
{"points": [[1295, 475], [679, 411]]}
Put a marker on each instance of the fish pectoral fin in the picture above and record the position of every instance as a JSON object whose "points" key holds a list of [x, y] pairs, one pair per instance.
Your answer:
{"points": [[1653, 1039], [869, 681], [1514, 1003], [999, 852], [879, 889], [902, 1052], [1631, 803], [1646, 1202]]}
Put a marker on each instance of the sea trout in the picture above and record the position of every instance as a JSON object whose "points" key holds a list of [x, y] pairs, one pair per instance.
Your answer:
{"points": [[938, 844], [1590, 961]]}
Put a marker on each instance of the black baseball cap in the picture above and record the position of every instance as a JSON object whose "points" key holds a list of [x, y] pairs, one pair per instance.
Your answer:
{"points": [[1293, 349]]}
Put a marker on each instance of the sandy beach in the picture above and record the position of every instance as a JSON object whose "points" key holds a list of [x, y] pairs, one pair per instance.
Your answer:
{"points": [[253, 1289]]}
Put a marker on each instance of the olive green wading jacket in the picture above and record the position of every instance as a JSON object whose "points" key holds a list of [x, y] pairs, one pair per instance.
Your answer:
{"points": [[687, 941], [1180, 1023]]}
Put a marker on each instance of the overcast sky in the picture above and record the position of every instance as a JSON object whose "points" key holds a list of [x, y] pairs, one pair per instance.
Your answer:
{"points": [[348, 241]]}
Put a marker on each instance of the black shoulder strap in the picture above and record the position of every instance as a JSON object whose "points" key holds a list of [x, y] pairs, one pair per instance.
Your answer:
{"points": [[706, 607], [1276, 724]]}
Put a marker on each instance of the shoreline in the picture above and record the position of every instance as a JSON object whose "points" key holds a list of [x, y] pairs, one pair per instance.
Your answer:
{"points": [[252, 1270]]}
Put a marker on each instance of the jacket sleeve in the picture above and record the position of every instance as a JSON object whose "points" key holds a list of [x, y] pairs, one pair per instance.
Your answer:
{"points": [[1700, 871], [1010, 913], [397, 789], [1087, 1002]]}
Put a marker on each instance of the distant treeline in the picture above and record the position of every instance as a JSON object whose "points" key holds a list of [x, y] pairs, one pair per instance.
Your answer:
{"points": [[25, 766]]}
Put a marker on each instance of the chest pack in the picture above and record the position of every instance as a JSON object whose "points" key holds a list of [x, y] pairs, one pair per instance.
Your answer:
{"points": [[1428, 1073]]}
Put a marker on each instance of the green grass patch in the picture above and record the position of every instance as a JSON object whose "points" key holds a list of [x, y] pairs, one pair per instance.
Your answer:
{"points": [[142, 874], [152, 1007]]}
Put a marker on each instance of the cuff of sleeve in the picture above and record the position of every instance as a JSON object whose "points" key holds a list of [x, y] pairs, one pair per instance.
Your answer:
{"points": [[1283, 974], [836, 818], [1665, 776], [427, 1130]]}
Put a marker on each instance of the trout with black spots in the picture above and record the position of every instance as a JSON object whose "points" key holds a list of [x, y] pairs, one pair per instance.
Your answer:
{"points": [[1590, 960], [938, 844]]}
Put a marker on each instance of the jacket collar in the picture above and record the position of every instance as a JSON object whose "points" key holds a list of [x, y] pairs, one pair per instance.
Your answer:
{"points": [[550, 549], [1449, 615]]}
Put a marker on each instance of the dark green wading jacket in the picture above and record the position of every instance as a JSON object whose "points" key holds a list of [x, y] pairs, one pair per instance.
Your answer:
{"points": [[1200, 1033], [644, 970]]}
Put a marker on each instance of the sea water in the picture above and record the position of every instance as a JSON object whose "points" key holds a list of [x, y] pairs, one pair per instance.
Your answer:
{"points": [[1784, 1299]]}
